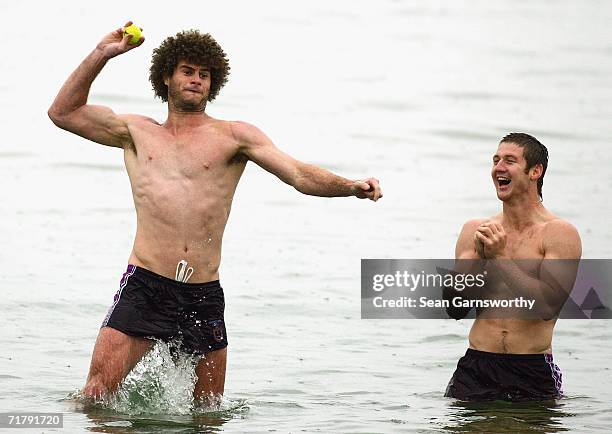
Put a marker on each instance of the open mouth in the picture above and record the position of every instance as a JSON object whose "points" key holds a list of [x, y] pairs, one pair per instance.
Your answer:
{"points": [[503, 181]]}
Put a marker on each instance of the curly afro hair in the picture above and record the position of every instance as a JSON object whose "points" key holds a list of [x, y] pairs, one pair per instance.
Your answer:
{"points": [[193, 47]]}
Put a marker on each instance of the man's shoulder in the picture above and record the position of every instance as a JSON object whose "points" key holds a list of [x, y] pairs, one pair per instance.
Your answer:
{"points": [[561, 239], [247, 134], [242, 129], [557, 226], [469, 228], [135, 119], [474, 223]]}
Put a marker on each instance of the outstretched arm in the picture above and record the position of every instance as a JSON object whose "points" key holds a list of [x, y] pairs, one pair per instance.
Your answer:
{"points": [[70, 110], [306, 178]]}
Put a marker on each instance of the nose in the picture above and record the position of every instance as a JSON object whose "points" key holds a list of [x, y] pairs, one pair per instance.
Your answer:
{"points": [[499, 166]]}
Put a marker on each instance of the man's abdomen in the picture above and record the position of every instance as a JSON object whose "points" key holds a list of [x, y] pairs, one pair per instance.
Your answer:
{"points": [[160, 246], [512, 336]]}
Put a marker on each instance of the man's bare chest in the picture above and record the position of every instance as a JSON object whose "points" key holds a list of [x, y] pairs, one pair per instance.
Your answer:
{"points": [[186, 157], [526, 244], [525, 250]]}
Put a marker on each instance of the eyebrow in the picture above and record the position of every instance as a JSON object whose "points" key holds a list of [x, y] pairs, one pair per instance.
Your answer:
{"points": [[202, 68], [505, 156]]}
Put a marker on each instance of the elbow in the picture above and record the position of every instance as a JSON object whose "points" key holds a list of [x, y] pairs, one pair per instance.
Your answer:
{"points": [[547, 312], [457, 313], [58, 111], [298, 181], [57, 117], [54, 115]]}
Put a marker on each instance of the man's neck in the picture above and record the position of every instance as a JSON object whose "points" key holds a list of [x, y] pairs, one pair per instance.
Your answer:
{"points": [[179, 121], [522, 212]]}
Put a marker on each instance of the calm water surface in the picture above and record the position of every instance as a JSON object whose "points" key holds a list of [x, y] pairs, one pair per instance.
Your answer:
{"points": [[414, 93]]}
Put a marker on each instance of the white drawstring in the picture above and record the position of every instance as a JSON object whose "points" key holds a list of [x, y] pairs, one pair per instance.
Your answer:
{"points": [[182, 272]]}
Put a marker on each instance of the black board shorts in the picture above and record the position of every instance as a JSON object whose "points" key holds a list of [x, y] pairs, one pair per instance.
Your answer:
{"points": [[152, 306], [483, 376]]}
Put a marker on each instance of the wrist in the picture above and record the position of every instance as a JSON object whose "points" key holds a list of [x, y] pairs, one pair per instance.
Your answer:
{"points": [[100, 54], [353, 188]]}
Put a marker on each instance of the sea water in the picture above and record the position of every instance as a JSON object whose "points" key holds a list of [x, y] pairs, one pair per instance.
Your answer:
{"points": [[415, 93]]}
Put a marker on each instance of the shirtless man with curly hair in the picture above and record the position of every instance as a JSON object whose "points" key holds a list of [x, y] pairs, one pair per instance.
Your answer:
{"points": [[183, 173]]}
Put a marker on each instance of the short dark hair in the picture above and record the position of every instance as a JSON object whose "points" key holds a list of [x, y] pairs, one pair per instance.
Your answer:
{"points": [[193, 47], [534, 153]]}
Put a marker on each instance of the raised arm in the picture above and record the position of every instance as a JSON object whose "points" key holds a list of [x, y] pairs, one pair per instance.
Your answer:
{"points": [[70, 110], [306, 178]]}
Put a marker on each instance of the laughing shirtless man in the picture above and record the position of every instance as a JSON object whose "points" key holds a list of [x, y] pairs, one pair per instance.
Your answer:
{"points": [[183, 175], [511, 358]]}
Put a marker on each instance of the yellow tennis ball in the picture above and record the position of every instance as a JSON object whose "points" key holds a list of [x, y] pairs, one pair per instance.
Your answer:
{"points": [[136, 33]]}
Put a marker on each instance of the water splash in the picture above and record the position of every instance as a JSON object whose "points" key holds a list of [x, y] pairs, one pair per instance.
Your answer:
{"points": [[162, 383]]}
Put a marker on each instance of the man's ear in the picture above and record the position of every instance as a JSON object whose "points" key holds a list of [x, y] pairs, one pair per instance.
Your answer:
{"points": [[166, 81], [536, 172]]}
